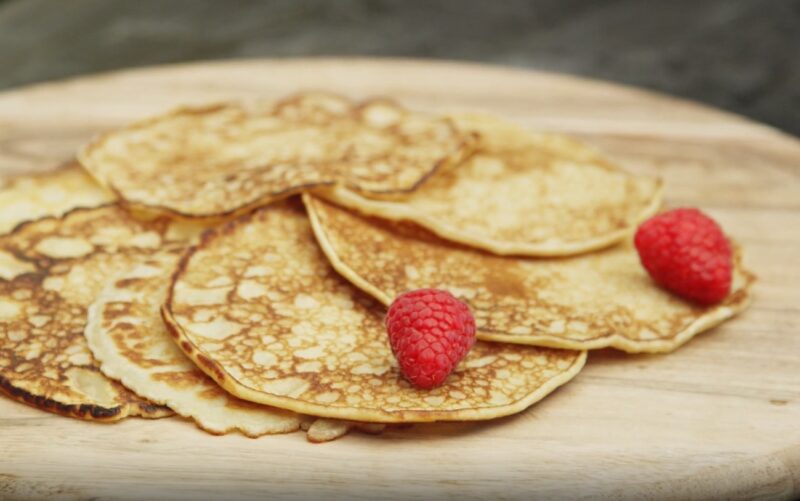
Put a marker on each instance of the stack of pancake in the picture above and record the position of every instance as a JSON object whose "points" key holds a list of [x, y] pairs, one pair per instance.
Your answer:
{"points": [[232, 264]]}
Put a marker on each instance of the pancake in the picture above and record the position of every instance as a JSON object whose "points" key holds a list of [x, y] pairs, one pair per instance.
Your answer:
{"points": [[24, 198], [50, 271], [522, 194], [325, 430], [127, 336], [583, 302], [258, 307], [225, 159]]}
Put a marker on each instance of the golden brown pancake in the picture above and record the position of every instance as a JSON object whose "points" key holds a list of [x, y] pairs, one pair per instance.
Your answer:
{"points": [[127, 336], [50, 271], [225, 159], [582, 302], [25, 198], [258, 307], [523, 194]]}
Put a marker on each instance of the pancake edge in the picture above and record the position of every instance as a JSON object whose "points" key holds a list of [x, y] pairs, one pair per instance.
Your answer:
{"points": [[86, 412]]}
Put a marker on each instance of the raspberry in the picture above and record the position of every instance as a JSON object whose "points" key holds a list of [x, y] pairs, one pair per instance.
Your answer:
{"points": [[430, 331], [686, 252]]}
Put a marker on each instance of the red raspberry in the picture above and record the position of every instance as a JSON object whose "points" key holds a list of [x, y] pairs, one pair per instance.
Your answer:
{"points": [[430, 332], [686, 252]]}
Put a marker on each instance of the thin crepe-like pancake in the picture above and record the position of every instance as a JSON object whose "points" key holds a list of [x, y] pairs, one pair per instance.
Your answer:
{"points": [[25, 198], [127, 336], [259, 308], [50, 271], [523, 194], [582, 302], [225, 159]]}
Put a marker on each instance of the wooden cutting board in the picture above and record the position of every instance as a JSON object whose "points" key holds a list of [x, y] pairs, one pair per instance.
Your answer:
{"points": [[719, 418]]}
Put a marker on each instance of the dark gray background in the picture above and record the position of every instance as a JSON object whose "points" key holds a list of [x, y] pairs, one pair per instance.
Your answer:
{"points": [[741, 55]]}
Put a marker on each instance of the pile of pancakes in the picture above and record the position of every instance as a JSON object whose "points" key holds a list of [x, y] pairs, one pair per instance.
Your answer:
{"points": [[232, 264]]}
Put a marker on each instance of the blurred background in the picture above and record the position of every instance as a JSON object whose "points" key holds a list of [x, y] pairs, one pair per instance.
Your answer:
{"points": [[739, 55]]}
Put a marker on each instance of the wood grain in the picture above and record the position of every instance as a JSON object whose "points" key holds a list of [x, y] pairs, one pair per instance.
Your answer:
{"points": [[719, 418]]}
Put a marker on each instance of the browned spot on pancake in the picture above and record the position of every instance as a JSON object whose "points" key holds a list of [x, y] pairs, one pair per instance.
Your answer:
{"points": [[205, 361], [209, 365], [504, 279], [173, 333], [182, 380], [126, 282]]}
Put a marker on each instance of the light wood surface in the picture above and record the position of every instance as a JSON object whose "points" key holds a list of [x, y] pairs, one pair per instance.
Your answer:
{"points": [[719, 418]]}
